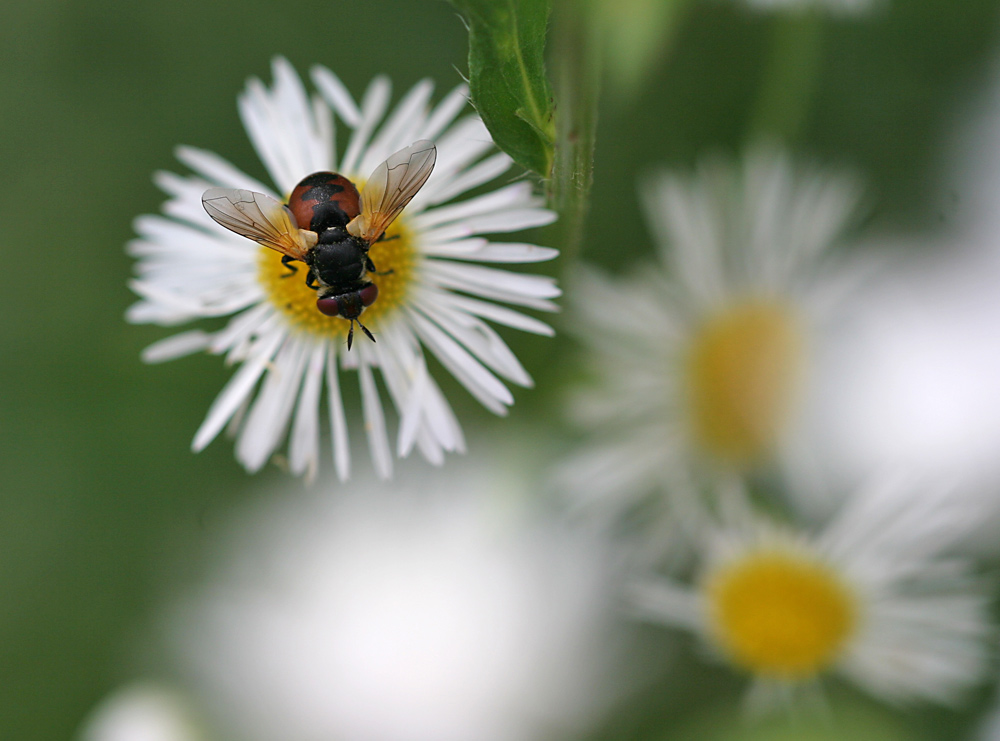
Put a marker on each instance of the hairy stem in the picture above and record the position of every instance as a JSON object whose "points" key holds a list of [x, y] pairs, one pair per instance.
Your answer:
{"points": [[576, 71]]}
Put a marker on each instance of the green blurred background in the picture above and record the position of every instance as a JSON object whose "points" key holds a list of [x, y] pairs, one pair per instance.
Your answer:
{"points": [[98, 484]]}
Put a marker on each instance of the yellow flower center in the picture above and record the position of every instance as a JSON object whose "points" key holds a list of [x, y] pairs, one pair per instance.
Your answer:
{"points": [[395, 259], [743, 368], [779, 613]]}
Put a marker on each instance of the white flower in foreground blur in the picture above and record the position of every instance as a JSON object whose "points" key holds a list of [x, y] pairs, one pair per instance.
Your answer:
{"points": [[876, 597], [913, 385], [142, 712], [191, 268], [429, 612], [702, 360]]}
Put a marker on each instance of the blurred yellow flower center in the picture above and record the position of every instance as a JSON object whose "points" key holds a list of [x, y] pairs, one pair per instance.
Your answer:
{"points": [[394, 256], [780, 614], [743, 368]]}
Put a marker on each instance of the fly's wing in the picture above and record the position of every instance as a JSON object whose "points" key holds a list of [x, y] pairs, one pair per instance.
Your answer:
{"points": [[391, 187], [260, 218]]}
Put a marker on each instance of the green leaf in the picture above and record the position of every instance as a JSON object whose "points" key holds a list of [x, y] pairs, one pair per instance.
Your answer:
{"points": [[507, 78]]}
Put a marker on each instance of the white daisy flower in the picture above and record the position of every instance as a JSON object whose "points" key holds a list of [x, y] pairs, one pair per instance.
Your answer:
{"points": [[435, 610], [429, 296], [876, 596], [701, 360]]}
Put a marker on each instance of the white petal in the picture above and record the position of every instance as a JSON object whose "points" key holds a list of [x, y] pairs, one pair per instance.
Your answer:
{"points": [[480, 249], [371, 404], [514, 288], [685, 222], [186, 203], [482, 384], [272, 409], [176, 346], [400, 129], [185, 192], [445, 113], [223, 302], [247, 344], [309, 138], [372, 109], [509, 220], [437, 430], [338, 422], [143, 312], [184, 243], [429, 449], [443, 188], [168, 300], [495, 313], [217, 170], [337, 96], [241, 327], [281, 126], [303, 451], [236, 391], [325, 134], [441, 420], [516, 194], [266, 134], [477, 337], [461, 145], [412, 414], [397, 356]]}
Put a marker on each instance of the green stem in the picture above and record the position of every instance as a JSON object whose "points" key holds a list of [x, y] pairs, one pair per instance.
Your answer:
{"points": [[790, 76], [577, 81]]}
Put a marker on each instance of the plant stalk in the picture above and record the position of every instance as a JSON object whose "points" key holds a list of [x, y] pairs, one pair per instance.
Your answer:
{"points": [[576, 66]]}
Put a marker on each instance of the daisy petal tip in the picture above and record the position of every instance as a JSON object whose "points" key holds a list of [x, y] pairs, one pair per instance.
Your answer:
{"points": [[200, 442], [280, 66]]}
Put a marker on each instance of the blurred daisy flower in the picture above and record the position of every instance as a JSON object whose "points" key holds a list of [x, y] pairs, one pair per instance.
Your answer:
{"points": [[701, 360], [435, 611], [143, 711], [876, 596], [429, 295]]}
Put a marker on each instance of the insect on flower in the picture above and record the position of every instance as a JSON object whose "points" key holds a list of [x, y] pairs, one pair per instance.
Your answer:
{"points": [[329, 226], [438, 295]]}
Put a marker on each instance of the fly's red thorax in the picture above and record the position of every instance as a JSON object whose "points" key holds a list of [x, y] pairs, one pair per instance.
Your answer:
{"points": [[324, 200]]}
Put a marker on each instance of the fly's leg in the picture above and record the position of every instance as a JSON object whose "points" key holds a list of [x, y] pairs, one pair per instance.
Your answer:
{"points": [[287, 261], [370, 267]]}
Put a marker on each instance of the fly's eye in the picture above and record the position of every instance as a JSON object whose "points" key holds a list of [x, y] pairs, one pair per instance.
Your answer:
{"points": [[368, 294], [328, 306]]}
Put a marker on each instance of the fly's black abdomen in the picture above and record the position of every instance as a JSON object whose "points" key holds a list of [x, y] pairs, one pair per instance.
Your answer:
{"points": [[339, 263]]}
